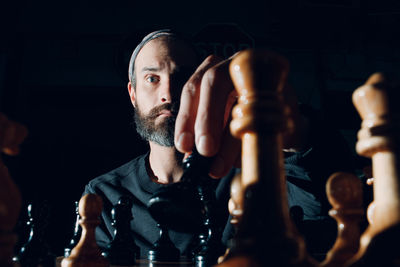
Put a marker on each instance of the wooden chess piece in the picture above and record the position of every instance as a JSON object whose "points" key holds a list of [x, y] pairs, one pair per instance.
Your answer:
{"points": [[235, 204], [11, 136], [235, 207], [87, 253], [266, 235], [344, 191], [376, 102]]}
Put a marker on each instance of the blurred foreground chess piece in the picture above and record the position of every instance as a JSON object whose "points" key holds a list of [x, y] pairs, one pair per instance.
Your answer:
{"points": [[344, 191], [122, 250], [377, 103], [265, 234], [235, 207], [87, 253], [11, 136]]}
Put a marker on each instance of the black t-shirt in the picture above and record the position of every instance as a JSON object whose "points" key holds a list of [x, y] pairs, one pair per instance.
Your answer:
{"points": [[132, 180], [306, 175]]}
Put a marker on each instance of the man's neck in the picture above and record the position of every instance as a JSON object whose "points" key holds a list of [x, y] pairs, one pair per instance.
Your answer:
{"points": [[164, 164]]}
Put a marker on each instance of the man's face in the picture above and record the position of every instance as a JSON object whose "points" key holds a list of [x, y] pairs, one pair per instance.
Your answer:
{"points": [[162, 67]]}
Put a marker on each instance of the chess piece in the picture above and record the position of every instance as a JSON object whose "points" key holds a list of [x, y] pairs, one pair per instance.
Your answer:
{"points": [[178, 206], [235, 207], [235, 204], [87, 253], [36, 252], [77, 233], [189, 206], [344, 191], [11, 136], [377, 103], [210, 247], [122, 250], [265, 234], [163, 249]]}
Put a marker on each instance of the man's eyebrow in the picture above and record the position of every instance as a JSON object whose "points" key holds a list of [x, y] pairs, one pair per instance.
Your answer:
{"points": [[150, 69]]}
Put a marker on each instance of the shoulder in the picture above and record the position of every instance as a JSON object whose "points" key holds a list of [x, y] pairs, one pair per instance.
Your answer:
{"points": [[116, 177]]}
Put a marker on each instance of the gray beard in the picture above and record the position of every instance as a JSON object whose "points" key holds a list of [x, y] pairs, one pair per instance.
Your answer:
{"points": [[163, 133]]}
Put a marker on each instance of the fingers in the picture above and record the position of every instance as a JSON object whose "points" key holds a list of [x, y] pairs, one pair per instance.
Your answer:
{"points": [[204, 116], [215, 89], [184, 127], [228, 155]]}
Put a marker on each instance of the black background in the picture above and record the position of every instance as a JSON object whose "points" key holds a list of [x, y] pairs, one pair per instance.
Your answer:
{"points": [[63, 73]]}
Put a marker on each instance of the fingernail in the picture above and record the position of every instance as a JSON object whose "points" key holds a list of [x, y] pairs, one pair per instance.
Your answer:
{"points": [[217, 167], [205, 145], [185, 141]]}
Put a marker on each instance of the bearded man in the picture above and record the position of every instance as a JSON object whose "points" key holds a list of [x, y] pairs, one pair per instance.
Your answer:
{"points": [[159, 68]]}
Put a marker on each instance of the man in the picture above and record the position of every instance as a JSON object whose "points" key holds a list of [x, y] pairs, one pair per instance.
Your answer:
{"points": [[159, 68], [164, 77]]}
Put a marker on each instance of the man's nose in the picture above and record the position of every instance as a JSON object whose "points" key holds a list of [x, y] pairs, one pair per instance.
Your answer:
{"points": [[165, 93], [170, 92]]}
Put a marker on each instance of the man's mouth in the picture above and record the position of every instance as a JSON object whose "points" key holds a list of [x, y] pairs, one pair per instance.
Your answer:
{"points": [[166, 113]]}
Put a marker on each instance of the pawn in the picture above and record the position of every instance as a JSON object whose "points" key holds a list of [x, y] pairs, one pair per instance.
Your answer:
{"points": [[344, 191], [36, 252], [163, 249], [77, 233], [122, 250], [235, 208], [87, 253]]}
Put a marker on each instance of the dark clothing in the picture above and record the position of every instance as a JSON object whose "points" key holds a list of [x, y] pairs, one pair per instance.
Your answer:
{"points": [[131, 179], [307, 172]]}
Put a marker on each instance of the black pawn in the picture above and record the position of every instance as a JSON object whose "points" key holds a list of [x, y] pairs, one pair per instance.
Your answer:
{"points": [[210, 246], [163, 249], [77, 233], [122, 250], [35, 252]]}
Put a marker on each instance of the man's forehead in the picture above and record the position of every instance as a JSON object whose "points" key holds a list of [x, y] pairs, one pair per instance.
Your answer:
{"points": [[171, 36], [164, 51]]}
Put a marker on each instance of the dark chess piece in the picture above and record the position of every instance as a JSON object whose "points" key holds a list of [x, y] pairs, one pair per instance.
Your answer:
{"points": [[178, 206], [35, 252], [188, 206], [122, 250], [210, 246], [77, 233], [163, 249]]}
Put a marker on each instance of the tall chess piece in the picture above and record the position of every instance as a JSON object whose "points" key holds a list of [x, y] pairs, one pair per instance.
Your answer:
{"points": [[122, 250], [87, 253], [188, 206], [77, 233], [265, 235], [344, 191], [377, 103], [11, 136], [209, 246], [36, 252]]}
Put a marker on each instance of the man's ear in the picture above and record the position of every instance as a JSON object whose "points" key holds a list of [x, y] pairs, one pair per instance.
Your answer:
{"points": [[132, 95]]}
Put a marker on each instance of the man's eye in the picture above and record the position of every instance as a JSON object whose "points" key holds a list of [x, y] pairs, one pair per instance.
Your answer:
{"points": [[152, 79]]}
